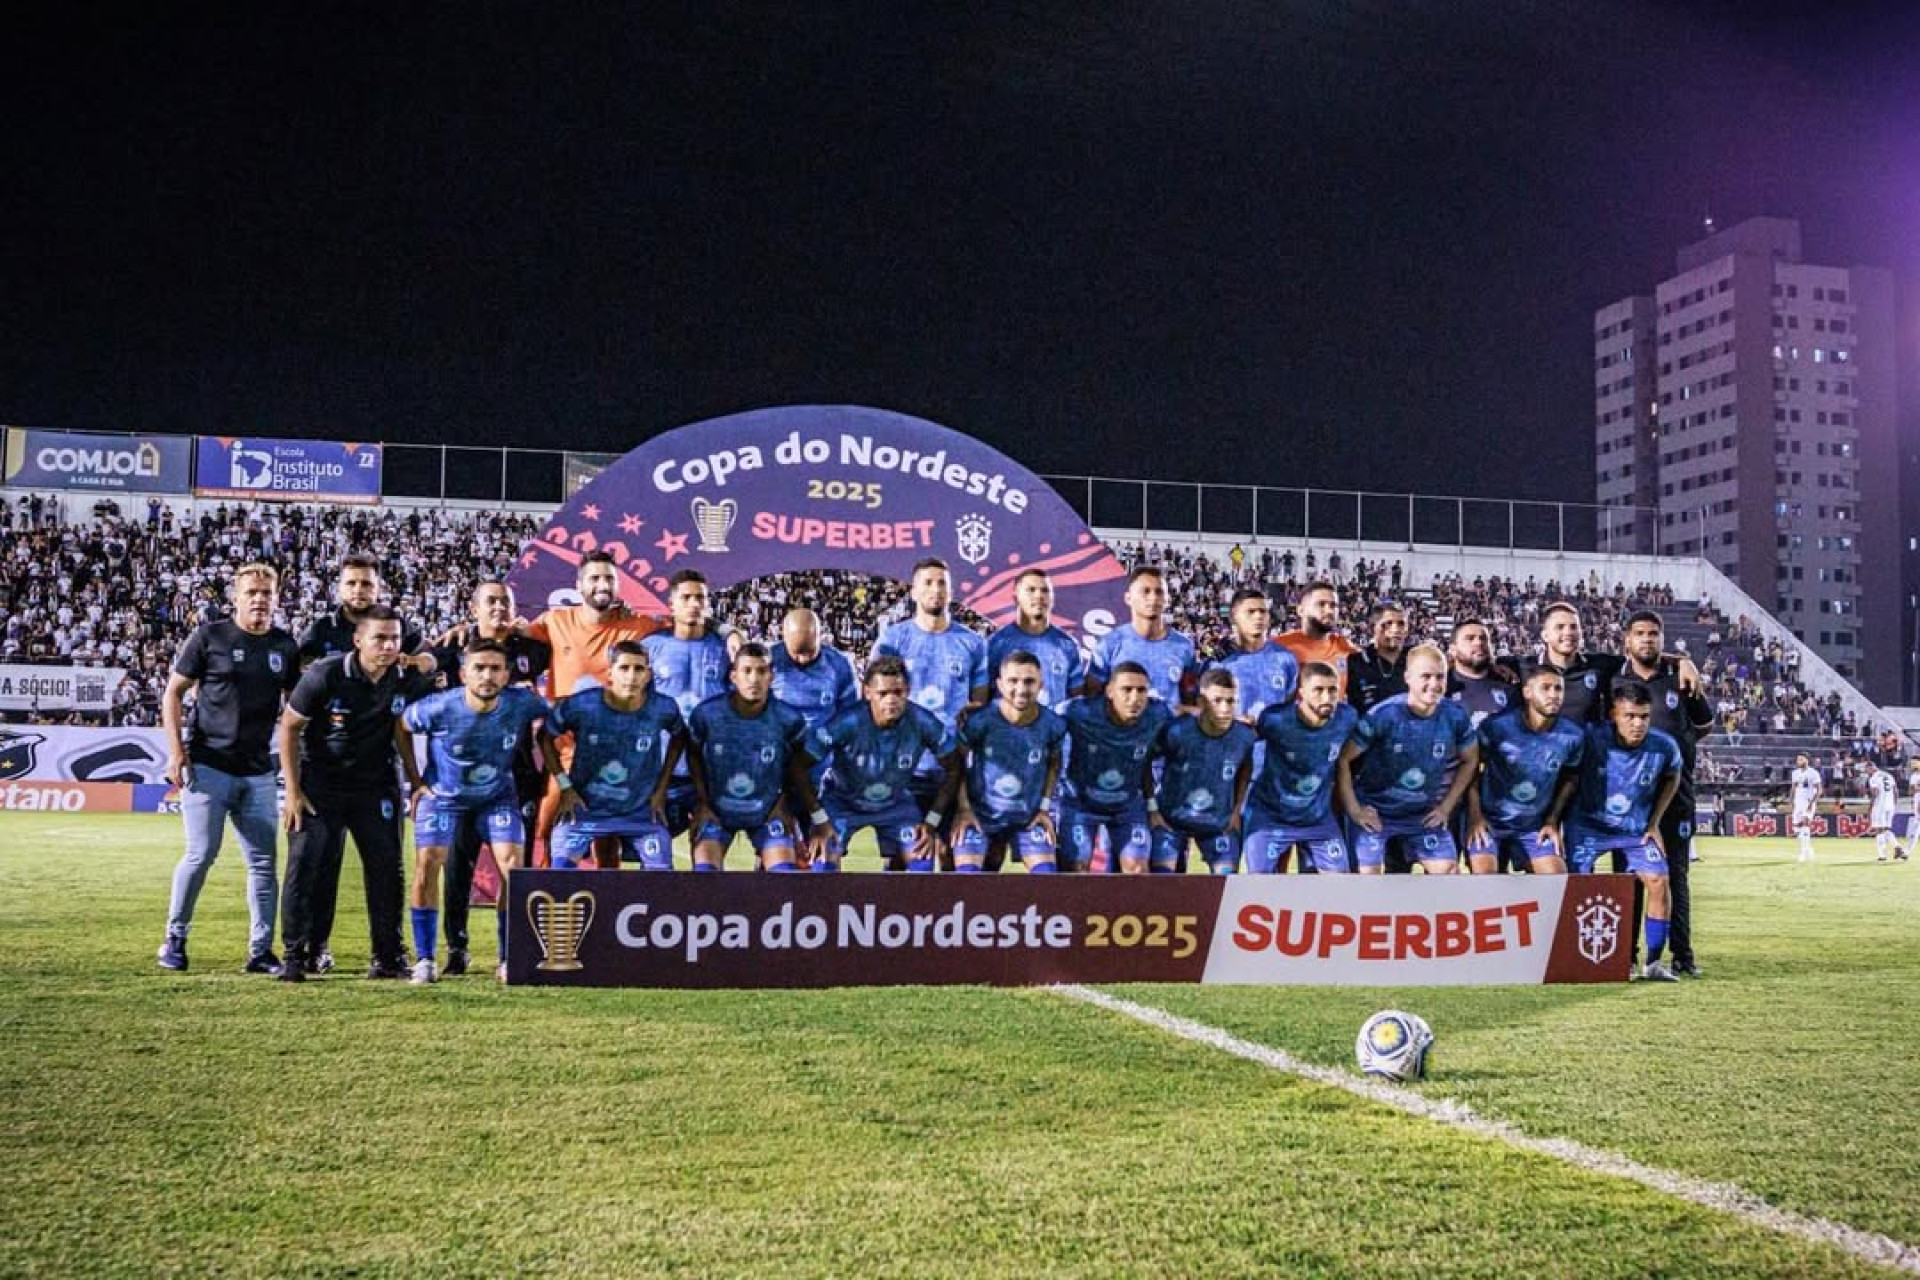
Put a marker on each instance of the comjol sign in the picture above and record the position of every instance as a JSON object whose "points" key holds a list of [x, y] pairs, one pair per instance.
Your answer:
{"points": [[109, 463], [610, 929]]}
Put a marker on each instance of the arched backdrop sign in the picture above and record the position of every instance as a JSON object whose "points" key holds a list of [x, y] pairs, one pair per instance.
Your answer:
{"points": [[825, 487]]}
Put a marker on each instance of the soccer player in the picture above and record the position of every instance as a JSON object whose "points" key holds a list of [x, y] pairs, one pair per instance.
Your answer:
{"points": [[1379, 671], [1417, 755], [946, 664], [219, 755], [615, 791], [1013, 764], [338, 759], [690, 664], [1881, 791], [1628, 775], [472, 734], [1318, 638], [1106, 796], [1291, 805], [1063, 666], [1523, 752], [745, 749], [874, 751], [1264, 674], [356, 590], [812, 677], [1166, 656], [1207, 764], [1913, 792], [1471, 680], [1805, 784]]}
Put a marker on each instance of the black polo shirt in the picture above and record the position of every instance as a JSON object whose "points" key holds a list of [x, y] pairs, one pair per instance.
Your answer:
{"points": [[347, 742], [332, 633], [527, 660], [1371, 679], [1684, 717], [241, 677], [1482, 696], [1588, 678]]}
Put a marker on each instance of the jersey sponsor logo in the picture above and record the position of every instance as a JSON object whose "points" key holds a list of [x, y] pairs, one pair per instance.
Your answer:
{"points": [[1412, 779], [740, 786], [239, 656], [1200, 800]]}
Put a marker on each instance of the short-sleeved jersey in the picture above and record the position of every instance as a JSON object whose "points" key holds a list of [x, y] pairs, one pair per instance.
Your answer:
{"points": [[819, 690], [1267, 677], [1171, 662], [1522, 768], [1295, 784], [1063, 665], [347, 743], [1408, 760], [1105, 760], [1482, 696], [688, 671], [241, 678], [1007, 764], [745, 757], [1913, 784], [1806, 787], [1196, 785], [943, 667], [470, 753], [616, 754], [1589, 682], [1881, 790], [1334, 649], [1618, 784], [873, 765], [580, 647]]}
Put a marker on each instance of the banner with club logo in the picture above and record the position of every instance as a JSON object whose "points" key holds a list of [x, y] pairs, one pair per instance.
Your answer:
{"points": [[264, 470], [577, 470], [610, 929], [825, 487], [32, 686], [109, 463]]}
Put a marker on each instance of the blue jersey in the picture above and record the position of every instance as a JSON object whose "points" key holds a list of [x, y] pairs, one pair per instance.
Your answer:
{"points": [[1523, 768], [1618, 785], [1409, 760], [745, 757], [873, 767], [616, 754], [1007, 765], [1296, 781], [1105, 760], [1196, 786], [688, 671], [1170, 661], [1063, 666], [470, 753], [943, 667], [1264, 678], [818, 690]]}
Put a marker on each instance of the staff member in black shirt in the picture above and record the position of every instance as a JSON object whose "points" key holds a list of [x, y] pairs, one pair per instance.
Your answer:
{"points": [[357, 590], [337, 750], [219, 755], [1379, 671]]}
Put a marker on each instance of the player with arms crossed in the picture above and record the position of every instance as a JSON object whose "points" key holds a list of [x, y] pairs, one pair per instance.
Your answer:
{"points": [[1417, 755], [1806, 788], [1523, 752], [1106, 796], [745, 750], [615, 791], [1167, 657], [1882, 791], [1291, 804], [1013, 763], [1207, 765], [1063, 667]]}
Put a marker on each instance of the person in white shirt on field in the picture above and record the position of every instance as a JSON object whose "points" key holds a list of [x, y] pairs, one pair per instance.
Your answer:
{"points": [[1882, 791], [1805, 781]]}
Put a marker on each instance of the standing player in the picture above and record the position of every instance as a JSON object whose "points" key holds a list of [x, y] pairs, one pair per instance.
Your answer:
{"points": [[1292, 800], [1471, 679], [874, 750], [1806, 788], [1166, 656], [1417, 754], [472, 735], [1881, 792], [1379, 671], [219, 756], [810, 676], [1628, 775], [1523, 752], [690, 664], [356, 590], [1063, 667], [1318, 638], [616, 788], [1913, 792], [745, 749], [1264, 674], [1207, 764], [1013, 763], [1106, 796]]}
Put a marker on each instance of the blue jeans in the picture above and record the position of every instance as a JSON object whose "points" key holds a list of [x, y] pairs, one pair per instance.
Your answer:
{"points": [[205, 806]]}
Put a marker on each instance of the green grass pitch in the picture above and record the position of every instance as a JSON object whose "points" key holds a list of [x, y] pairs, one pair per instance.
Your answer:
{"points": [[211, 1124]]}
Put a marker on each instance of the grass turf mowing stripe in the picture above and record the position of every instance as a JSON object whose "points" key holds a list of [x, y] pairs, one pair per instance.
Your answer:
{"points": [[1868, 1246]]}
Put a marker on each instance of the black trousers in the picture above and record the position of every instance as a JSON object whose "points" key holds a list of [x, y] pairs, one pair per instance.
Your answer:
{"points": [[312, 881], [1676, 833]]}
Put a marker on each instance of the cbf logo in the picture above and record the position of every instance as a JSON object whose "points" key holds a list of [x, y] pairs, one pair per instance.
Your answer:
{"points": [[1599, 923], [975, 535]]}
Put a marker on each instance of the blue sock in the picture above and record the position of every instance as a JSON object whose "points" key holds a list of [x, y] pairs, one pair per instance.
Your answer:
{"points": [[1656, 938], [964, 870], [920, 864], [1042, 869], [426, 928], [783, 866], [704, 866], [500, 923], [561, 862], [1159, 870], [823, 866]]}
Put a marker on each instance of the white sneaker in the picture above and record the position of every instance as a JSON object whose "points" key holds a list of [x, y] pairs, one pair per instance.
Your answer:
{"points": [[424, 971], [501, 972], [1658, 972]]}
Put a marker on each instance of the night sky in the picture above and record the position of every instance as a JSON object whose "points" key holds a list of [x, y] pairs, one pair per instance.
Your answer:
{"points": [[1352, 243]]}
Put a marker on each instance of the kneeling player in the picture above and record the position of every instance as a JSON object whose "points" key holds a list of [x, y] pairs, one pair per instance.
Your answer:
{"points": [[1523, 751], [745, 750], [613, 796], [1292, 801], [1208, 763], [873, 750], [1106, 796], [1629, 772], [1013, 762], [1417, 756]]}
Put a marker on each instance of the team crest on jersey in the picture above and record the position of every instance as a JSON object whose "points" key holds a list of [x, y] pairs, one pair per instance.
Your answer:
{"points": [[399, 704], [1590, 680], [767, 754], [1673, 700], [974, 535], [386, 810], [17, 751], [1439, 751], [1500, 698], [276, 662], [506, 742], [523, 664], [1033, 755], [955, 667]]}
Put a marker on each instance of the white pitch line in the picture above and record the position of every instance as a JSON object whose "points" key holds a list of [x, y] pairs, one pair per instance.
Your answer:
{"points": [[1869, 1246]]}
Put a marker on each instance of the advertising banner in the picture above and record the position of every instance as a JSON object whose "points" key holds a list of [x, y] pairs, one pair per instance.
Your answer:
{"points": [[1741, 816], [72, 753], [287, 470], [605, 929], [31, 686], [579, 469], [65, 797], [39, 459]]}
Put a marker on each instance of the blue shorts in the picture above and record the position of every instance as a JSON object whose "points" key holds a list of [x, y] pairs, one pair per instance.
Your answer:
{"points": [[1267, 838], [439, 822], [1097, 842], [1585, 847], [1517, 848], [895, 828], [773, 834], [1025, 840], [1220, 849], [1416, 843], [639, 835]]}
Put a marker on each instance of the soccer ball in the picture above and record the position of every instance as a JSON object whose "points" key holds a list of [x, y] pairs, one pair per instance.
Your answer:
{"points": [[1393, 1045]]}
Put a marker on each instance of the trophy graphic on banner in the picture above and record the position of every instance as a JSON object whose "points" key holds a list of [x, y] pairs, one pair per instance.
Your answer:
{"points": [[560, 926], [713, 520]]}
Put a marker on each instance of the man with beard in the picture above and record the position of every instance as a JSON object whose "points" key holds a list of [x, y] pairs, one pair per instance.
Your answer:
{"points": [[1471, 679], [1524, 751], [1013, 763], [1379, 671], [356, 590], [1318, 638]]}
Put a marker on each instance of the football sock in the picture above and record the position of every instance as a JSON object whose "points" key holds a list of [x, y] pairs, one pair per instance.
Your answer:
{"points": [[426, 928], [561, 862], [500, 924], [704, 866], [1042, 869], [1656, 938], [822, 865], [920, 864], [1806, 846], [966, 869], [783, 866], [1882, 843]]}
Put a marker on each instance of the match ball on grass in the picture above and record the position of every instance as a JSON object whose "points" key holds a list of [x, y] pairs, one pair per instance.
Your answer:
{"points": [[1393, 1045]]}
